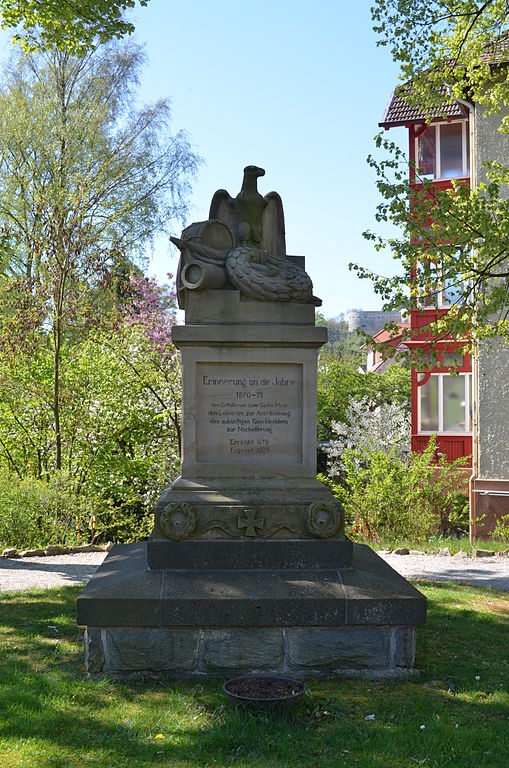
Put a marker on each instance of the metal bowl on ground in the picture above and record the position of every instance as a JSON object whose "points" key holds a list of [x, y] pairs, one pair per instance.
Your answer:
{"points": [[264, 691]]}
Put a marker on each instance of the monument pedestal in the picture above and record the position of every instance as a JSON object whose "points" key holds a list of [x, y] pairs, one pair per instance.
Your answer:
{"points": [[304, 608], [248, 567]]}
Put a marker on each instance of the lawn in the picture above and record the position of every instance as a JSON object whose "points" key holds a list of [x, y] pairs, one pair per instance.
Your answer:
{"points": [[455, 713]]}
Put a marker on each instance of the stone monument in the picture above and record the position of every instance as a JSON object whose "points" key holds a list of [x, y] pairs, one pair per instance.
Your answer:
{"points": [[248, 567]]}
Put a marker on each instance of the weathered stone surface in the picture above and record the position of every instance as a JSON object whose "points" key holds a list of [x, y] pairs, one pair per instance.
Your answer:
{"points": [[87, 548], [10, 552], [376, 594], [403, 646], [251, 598], [244, 554], [94, 654], [122, 592], [56, 549], [222, 307], [31, 553], [237, 649], [247, 545], [278, 414], [483, 553], [338, 648], [373, 652], [150, 649], [245, 509], [402, 551]]}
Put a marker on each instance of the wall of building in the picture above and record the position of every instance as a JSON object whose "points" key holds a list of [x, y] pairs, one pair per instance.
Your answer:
{"points": [[493, 411], [371, 321], [493, 362], [490, 144], [490, 485]]}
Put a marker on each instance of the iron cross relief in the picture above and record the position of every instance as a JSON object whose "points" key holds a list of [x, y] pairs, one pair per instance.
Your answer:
{"points": [[250, 522]]}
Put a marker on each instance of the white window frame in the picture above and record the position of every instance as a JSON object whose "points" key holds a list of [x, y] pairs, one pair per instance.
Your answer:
{"points": [[438, 159], [439, 293], [440, 430]]}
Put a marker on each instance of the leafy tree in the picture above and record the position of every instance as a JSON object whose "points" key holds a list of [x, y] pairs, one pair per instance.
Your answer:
{"points": [[85, 182], [340, 383], [452, 43], [120, 429], [74, 25], [345, 344], [448, 49]]}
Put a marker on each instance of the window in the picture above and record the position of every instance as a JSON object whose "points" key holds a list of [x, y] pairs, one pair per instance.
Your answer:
{"points": [[445, 403], [441, 292], [442, 151]]}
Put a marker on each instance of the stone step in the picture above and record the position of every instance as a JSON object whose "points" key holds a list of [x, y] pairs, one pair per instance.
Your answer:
{"points": [[246, 554]]}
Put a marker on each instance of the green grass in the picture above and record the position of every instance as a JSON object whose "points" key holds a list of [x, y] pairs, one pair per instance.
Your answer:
{"points": [[51, 717], [436, 543]]}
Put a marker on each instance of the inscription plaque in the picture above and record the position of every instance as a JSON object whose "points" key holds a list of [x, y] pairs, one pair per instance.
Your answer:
{"points": [[249, 413]]}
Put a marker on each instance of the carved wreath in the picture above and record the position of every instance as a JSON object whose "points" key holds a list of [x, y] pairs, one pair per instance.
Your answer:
{"points": [[259, 275], [177, 521], [324, 519]]}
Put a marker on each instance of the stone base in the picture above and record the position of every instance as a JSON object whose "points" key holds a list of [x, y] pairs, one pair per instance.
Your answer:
{"points": [[316, 619], [239, 507], [133, 652]]}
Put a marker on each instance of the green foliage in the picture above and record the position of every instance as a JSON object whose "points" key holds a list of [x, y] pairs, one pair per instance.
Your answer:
{"points": [[125, 429], [35, 513], [453, 42], [447, 49], [501, 530], [340, 382], [89, 378], [342, 343], [120, 428], [76, 26], [466, 248], [384, 495]]}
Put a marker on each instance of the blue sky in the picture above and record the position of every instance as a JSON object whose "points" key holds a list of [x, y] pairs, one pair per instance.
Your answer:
{"points": [[295, 87]]}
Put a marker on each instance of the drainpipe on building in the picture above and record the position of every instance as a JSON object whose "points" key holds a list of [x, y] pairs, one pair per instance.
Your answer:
{"points": [[475, 367]]}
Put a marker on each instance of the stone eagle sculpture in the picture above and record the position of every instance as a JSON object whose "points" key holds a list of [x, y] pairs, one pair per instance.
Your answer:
{"points": [[252, 219], [242, 245]]}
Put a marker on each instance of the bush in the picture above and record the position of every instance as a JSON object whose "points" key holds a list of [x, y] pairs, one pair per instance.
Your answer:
{"points": [[370, 428], [387, 497], [501, 530], [35, 513]]}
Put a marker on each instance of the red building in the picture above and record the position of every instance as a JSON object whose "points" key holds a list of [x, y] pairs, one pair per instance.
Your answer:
{"points": [[441, 403], [378, 361]]}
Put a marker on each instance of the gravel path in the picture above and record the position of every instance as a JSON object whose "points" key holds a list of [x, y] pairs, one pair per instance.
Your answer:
{"points": [[62, 570], [45, 572], [478, 571]]}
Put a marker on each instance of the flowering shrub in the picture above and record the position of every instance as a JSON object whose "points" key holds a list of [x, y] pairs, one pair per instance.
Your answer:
{"points": [[384, 428]]}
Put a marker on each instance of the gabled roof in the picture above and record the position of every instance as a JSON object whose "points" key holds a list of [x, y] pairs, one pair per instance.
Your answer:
{"points": [[398, 112], [390, 337], [497, 51]]}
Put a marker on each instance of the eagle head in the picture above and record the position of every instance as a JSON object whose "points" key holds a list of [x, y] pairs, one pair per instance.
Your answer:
{"points": [[253, 170]]}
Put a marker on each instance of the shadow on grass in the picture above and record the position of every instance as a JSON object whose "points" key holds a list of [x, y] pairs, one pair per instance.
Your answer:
{"points": [[52, 716]]}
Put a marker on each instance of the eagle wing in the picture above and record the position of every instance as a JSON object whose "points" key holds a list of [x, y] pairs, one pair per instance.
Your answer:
{"points": [[273, 226], [222, 207]]}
